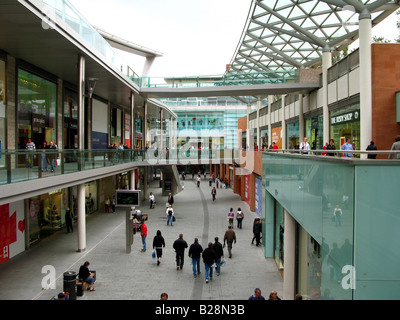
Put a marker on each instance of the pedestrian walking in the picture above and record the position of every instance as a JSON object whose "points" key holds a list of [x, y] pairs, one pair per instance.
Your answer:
{"points": [[170, 215], [209, 258], [143, 234], [231, 216], [229, 239], [257, 295], [158, 244], [239, 218], [257, 231], [170, 199], [348, 146], [180, 245], [254, 224], [30, 148], [371, 147], [219, 251], [337, 214], [68, 220], [152, 200], [395, 147], [195, 251], [214, 193], [331, 146], [198, 181]]}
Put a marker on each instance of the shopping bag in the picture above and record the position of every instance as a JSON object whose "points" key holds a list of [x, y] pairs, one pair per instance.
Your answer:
{"points": [[153, 254]]}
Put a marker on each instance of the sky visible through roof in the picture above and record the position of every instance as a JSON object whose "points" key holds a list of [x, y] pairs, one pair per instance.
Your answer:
{"points": [[196, 37]]}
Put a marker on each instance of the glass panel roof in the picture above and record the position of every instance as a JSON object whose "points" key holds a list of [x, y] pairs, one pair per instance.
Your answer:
{"points": [[284, 35]]}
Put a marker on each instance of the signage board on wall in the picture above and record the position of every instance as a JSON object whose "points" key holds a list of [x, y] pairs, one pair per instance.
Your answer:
{"points": [[247, 188]]}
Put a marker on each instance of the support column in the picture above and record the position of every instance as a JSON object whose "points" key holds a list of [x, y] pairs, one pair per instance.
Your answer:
{"points": [[301, 118], [132, 122], [289, 257], [81, 102], [258, 122], [365, 80], [270, 100], [81, 218], [283, 121], [144, 137], [161, 134], [326, 64], [248, 127], [132, 177]]}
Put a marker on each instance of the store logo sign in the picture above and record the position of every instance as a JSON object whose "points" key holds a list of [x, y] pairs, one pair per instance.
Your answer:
{"points": [[349, 278], [49, 280], [347, 117]]}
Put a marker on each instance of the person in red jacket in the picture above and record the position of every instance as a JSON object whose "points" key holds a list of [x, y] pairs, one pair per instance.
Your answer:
{"points": [[143, 233]]}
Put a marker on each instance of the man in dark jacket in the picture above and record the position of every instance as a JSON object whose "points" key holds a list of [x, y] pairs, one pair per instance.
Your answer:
{"points": [[230, 238], [195, 251], [219, 251], [209, 258], [180, 245], [170, 199]]}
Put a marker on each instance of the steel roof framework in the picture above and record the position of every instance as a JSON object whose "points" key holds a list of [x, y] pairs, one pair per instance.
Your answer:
{"points": [[284, 35]]}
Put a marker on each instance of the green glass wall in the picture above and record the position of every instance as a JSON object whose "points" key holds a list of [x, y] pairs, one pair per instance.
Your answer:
{"points": [[364, 235]]}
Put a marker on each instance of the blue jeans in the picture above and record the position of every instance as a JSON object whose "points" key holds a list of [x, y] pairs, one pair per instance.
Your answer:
{"points": [[209, 271], [218, 269], [144, 242], [196, 263], [170, 218]]}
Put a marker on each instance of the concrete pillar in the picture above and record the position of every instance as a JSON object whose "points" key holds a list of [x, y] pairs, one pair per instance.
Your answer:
{"points": [[365, 80], [283, 121], [326, 64], [248, 143], [81, 102], [81, 218], [289, 260], [270, 100], [132, 122], [301, 118], [258, 123], [161, 144], [132, 176]]}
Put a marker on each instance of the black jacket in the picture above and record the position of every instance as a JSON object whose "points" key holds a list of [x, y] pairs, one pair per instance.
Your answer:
{"points": [[158, 241], [171, 200], [209, 256], [219, 251], [195, 250], [180, 245]]}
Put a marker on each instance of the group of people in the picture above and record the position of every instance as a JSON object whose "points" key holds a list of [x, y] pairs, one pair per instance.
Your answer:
{"points": [[212, 256], [47, 158]]}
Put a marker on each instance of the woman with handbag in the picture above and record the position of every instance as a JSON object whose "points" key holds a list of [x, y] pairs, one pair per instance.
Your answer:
{"points": [[170, 215]]}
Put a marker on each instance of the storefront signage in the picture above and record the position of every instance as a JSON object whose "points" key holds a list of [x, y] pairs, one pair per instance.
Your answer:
{"points": [[347, 117], [38, 121]]}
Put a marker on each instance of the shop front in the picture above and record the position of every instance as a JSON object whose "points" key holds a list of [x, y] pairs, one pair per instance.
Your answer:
{"points": [[345, 123], [37, 100], [314, 131], [47, 214], [292, 135]]}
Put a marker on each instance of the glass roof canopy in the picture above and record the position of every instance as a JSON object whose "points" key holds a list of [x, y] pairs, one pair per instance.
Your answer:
{"points": [[281, 36]]}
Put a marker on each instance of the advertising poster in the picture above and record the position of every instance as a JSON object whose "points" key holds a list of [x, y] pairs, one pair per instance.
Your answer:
{"points": [[247, 188], [277, 136]]}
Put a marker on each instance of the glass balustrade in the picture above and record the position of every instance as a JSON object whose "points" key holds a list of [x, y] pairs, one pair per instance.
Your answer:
{"points": [[21, 165]]}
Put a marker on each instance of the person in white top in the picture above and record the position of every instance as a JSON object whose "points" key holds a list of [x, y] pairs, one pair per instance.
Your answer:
{"points": [[304, 145], [170, 215]]}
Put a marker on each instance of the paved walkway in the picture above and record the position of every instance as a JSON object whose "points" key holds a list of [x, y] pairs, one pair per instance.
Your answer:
{"points": [[134, 276]]}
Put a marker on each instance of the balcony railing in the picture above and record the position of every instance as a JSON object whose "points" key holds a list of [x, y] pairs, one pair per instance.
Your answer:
{"points": [[22, 165]]}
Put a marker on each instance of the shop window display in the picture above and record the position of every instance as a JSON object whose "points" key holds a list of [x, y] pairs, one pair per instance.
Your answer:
{"points": [[37, 99]]}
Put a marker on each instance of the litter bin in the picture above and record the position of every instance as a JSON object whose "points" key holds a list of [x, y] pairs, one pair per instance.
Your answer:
{"points": [[70, 284]]}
